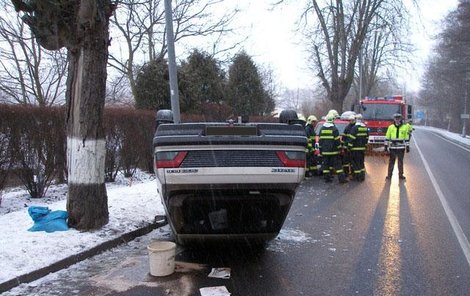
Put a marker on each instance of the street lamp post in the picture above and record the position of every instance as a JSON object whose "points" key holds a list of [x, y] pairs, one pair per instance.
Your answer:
{"points": [[465, 115], [174, 96]]}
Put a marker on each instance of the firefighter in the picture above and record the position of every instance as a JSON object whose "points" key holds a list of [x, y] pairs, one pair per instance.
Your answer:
{"points": [[311, 168], [345, 154], [357, 142], [396, 141], [329, 143]]}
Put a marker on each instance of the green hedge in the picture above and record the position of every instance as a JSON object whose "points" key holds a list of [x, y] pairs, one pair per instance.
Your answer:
{"points": [[33, 144]]}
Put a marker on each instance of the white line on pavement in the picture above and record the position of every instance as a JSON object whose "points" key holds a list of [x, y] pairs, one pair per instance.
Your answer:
{"points": [[463, 241]]}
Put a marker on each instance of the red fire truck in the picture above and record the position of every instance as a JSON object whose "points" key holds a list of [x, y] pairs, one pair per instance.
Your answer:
{"points": [[377, 113]]}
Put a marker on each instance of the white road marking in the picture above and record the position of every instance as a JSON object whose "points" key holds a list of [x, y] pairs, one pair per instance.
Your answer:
{"points": [[462, 239]]}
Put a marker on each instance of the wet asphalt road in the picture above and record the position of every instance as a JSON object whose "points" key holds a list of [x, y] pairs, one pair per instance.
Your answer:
{"points": [[372, 238]]}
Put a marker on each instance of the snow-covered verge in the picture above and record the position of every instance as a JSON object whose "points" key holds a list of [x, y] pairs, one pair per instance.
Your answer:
{"points": [[132, 204], [449, 135]]}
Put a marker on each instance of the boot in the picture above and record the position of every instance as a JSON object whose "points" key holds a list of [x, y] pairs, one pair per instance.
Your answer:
{"points": [[342, 178]]}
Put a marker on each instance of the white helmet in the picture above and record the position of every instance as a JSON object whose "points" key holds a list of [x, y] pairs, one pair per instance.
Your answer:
{"points": [[334, 113], [311, 119], [330, 118]]}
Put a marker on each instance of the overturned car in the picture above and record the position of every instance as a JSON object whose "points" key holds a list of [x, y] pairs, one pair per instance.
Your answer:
{"points": [[228, 180]]}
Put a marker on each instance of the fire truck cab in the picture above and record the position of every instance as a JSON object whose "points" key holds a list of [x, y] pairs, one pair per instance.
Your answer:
{"points": [[377, 113]]}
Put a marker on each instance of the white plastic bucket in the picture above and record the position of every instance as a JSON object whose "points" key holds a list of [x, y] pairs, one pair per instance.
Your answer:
{"points": [[161, 257]]}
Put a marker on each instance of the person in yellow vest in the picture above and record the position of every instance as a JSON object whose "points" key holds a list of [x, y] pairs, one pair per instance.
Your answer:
{"points": [[396, 141]]}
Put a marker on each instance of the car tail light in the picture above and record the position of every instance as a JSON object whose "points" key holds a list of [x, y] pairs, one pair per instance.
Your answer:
{"points": [[292, 158], [171, 159]]}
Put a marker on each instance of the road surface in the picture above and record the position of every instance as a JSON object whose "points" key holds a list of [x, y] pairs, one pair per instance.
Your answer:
{"points": [[375, 237]]}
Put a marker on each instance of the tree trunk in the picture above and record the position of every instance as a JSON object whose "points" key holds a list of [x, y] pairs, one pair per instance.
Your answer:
{"points": [[87, 202]]}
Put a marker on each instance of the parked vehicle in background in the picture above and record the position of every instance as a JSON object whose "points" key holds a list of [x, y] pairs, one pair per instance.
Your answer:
{"points": [[377, 114]]}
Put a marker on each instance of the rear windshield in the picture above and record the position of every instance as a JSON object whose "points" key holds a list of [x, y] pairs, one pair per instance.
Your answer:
{"points": [[379, 111]]}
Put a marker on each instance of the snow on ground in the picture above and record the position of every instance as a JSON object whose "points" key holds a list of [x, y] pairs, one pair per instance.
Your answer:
{"points": [[452, 136], [131, 206]]}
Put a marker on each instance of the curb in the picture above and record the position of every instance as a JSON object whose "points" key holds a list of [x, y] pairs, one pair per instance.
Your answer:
{"points": [[66, 262]]}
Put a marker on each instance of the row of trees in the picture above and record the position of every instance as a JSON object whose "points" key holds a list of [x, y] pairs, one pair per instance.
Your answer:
{"points": [[204, 87], [446, 82], [32, 75], [340, 36]]}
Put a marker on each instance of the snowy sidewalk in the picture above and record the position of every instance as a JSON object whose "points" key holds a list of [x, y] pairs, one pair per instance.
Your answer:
{"points": [[451, 136], [131, 209]]}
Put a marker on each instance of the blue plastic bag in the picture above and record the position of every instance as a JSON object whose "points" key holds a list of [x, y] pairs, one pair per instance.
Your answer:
{"points": [[47, 220]]}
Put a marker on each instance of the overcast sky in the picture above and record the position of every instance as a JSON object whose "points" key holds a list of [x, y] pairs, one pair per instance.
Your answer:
{"points": [[272, 39]]}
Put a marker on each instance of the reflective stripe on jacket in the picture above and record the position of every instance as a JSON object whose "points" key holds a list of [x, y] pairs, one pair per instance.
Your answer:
{"points": [[358, 137], [329, 139], [397, 136]]}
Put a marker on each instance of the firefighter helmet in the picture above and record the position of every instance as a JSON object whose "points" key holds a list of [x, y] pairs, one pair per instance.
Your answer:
{"points": [[397, 116], [330, 118], [311, 119], [164, 116], [358, 116], [333, 113]]}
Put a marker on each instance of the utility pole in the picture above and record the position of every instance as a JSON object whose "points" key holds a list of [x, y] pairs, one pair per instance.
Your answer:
{"points": [[175, 103], [360, 74], [465, 115]]}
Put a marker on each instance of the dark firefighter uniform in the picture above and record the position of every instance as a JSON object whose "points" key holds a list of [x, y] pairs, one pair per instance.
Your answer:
{"points": [[311, 167], [329, 142], [346, 154], [357, 142], [397, 141]]}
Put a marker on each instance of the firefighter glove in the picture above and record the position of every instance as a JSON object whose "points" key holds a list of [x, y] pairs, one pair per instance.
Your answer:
{"points": [[407, 149]]}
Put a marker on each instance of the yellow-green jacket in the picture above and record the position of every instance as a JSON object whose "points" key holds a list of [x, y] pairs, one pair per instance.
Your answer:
{"points": [[397, 137]]}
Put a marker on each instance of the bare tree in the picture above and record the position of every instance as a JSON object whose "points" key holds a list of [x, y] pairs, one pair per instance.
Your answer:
{"points": [[341, 30], [446, 82], [141, 30], [83, 28], [118, 91], [291, 99], [385, 52], [28, 73]]}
